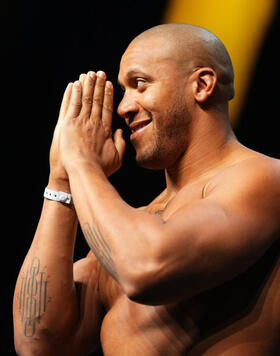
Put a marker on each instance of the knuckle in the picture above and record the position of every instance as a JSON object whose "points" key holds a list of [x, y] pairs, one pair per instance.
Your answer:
{"points": [[109, 94], [76, 105], [98, 101], [107, 130], [87, 100], [108, 108]]}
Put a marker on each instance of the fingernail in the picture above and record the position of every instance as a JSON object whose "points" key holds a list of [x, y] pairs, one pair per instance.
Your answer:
{"points": [[100, 74], [77, 84], [108, 85], [91, 74]]}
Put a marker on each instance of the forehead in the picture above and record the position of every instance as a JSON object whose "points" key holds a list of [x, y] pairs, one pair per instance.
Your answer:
{"points": [[151, 56]]}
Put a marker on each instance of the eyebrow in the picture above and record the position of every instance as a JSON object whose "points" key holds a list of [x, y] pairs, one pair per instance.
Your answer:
{"points": [[132, 72]]}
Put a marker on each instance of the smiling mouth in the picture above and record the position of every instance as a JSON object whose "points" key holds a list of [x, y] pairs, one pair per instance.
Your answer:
{"points": [[136, 126]]}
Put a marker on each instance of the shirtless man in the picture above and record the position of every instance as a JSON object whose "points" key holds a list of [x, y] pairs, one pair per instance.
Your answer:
{"points": [[197, 271]]}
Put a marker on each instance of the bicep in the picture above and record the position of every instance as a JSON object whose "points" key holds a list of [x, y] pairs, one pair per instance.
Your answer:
{"points": [[86, 335], [206, 244]]}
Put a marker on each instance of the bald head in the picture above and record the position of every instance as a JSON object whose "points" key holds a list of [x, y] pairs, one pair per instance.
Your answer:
{"points": [[195, 47]]}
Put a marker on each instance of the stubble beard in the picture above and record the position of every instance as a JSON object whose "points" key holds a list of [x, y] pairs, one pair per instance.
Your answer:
{"points": [[168, 141]]}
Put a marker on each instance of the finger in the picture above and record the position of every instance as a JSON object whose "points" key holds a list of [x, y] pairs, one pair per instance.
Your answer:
{"points": [[87, 97], [98, 96], [65, 100], [119, 143], [75, 101], [82, 78], [107, 109]]}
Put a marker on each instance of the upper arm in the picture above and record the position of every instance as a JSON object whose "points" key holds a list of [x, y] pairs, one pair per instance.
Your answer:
{"points": [[214, 239], [86, 335]]}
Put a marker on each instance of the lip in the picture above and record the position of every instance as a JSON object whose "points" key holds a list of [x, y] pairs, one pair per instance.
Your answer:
{"points": [[138, 127]]}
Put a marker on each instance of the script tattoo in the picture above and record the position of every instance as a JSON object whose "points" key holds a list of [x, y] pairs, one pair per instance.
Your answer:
{"points": [[32, 296], [100, 248]]}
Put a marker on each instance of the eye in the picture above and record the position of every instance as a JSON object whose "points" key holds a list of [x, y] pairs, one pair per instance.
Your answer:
{"points": [[139, 82]]}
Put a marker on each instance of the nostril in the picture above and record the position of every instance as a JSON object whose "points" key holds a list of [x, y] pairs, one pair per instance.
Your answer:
{"points": [[129, 117]]}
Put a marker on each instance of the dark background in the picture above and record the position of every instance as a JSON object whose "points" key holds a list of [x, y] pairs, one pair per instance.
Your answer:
{"points": [[48, 45]]}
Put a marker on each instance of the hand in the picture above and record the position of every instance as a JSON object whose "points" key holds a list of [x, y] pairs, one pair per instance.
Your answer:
{"points": [[58, 178], [86, 129]]}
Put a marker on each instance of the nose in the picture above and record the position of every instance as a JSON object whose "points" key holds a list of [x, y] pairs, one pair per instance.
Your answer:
{"points": [[128, 106]]}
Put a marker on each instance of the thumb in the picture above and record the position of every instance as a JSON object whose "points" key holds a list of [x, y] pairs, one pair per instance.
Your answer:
{"points": [[65, 100], [119, 142]]}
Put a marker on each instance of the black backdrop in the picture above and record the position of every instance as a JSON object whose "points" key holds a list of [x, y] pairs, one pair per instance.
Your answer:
{"points": [[49, 44]]}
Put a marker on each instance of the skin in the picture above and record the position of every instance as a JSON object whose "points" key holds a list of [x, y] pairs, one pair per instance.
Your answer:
{"points": [[202, 277]]}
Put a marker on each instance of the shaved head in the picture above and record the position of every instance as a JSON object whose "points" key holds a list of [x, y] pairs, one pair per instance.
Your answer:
{"points": [[194, 47], [173, 76]]}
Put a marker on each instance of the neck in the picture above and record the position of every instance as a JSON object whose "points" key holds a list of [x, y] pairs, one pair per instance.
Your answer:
{"points": [[211, 145]]}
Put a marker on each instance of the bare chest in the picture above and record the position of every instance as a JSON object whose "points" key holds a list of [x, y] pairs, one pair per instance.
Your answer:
{"points": [[130, 328]]}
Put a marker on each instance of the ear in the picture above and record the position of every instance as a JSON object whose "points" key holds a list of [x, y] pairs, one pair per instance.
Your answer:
{"points": [[204, 82]]}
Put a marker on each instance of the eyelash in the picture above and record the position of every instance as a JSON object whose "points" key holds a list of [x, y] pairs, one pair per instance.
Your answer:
{"points": [[139, 80], [136, 83]]}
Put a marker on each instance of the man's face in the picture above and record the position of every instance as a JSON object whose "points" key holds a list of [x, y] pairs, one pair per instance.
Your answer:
{"points": [[153, 104]]}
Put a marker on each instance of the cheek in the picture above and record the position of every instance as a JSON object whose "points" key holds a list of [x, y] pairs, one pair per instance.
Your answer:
{"points": [[171, 126], [150, 101], [157, 97]]}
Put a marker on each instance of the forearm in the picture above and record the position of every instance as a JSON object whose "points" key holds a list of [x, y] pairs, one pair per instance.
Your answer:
{"points": [[120, 236], [45, 282]]}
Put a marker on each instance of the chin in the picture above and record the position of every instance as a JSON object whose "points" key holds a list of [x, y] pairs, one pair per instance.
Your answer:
{"points": [[153, 162], [150, 165]]}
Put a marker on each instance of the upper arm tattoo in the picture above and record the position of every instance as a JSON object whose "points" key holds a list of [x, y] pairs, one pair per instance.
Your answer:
{"points": [[101, 249]]}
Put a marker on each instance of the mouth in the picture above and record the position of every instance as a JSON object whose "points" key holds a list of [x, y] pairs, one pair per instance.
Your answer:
{"points": [[138, 127]]}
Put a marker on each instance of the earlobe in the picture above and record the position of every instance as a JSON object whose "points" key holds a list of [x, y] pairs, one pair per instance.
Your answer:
{"points": [[204, 84]]}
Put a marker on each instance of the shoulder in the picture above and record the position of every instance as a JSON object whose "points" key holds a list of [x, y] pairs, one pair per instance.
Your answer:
{"points": [[257, 173], [251, 186]]}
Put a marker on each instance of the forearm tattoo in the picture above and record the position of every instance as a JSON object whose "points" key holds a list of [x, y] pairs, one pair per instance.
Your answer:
{"points": [[33, 296], [100, 248]]}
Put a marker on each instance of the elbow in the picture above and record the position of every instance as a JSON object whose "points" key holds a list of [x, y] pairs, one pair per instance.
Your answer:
{"points": [[158, 285], [143, 296], [138, 292], [144, 281], [145, 286], [158, 292]]}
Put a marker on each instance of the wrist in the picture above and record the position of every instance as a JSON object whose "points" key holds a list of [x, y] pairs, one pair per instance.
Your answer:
{"points": [[58, 196], [82, 166], [59, 184]]}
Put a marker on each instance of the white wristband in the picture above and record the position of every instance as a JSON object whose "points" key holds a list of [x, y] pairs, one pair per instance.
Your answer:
{"points": [[61, 197]]}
